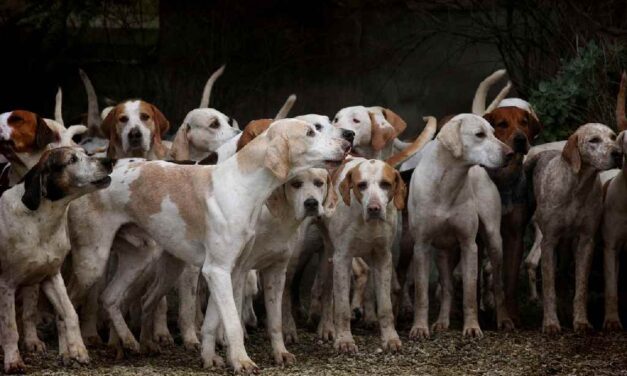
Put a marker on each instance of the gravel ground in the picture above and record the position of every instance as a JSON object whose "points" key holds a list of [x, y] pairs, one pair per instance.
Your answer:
{"points": [[523, 352]]}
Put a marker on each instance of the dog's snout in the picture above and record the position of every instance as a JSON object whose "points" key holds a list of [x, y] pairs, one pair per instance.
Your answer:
{"points": [[134, 135], [108, 163], [520, 143], [348, 135], [311, 204], [374, 211]]}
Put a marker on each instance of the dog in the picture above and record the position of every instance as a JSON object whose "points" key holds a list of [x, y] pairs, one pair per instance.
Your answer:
{"points": [[446, 206], [569, 207], [200, 215], [34, 243]]}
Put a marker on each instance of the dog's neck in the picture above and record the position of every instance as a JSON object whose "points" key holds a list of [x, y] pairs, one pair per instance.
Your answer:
{"points": [[581, 183], [443, 175], [51, 215]]}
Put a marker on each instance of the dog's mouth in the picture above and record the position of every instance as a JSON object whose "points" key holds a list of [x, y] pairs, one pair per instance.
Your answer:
{"points": [[102, 183]]}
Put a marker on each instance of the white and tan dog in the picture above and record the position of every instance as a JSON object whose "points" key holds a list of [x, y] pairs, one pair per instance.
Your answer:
{"points": [[446, 205], [201, 215], [34, 242]]}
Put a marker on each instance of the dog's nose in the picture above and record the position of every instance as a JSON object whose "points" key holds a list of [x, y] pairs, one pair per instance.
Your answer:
{"points": [[373, 210], [108, 163], [311, 204], [520, 143], [348, 135], [134, 135], [617, 157]]}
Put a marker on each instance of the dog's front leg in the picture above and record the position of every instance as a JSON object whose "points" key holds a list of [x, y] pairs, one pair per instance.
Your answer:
{"points": [[583, 262], [469, 263], [30, 317], [446, 283], [9, 336], [273, 279], [344, 341], [550, 322], [209, 329], [383, 265], [422, 261], [75, 350]]}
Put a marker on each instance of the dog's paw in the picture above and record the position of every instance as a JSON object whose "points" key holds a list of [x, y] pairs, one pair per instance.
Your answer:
{"points": [[506, 325], [213, 361], [130, 345], [34, 345], [191, 344], [245, 366], [392, 345], [440, 326], [150, 347], [346, 346], [164, 338], [326, 331], [551, 327], [582, 327], [290, 336], [284, 358], [612, 325], [15, 365], [419, 332], [472, 331], [75, 354]]}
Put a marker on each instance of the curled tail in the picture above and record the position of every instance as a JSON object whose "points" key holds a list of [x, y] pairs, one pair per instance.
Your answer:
{"points": [[206, 93], [425, 136], [479, 101]]}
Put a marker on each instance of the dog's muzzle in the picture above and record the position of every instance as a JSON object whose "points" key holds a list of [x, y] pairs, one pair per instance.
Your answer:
{"points": [[311, 207], [135, 138], [374, 212], [520, 143], [348, 135]]}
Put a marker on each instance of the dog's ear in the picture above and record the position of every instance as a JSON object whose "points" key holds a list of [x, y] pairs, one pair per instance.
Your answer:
{"points": [[108, 123], [535, 127], [330, 201], [180, 146], [163, 125], [379, 135], [44, 135], [114, 138], [33, 183], [345, 188], [400, 191], [252, 130], [397, 122], [490, 118], [620, 141], [571, 153], [450, 137], [278, 157], [277, 202]]}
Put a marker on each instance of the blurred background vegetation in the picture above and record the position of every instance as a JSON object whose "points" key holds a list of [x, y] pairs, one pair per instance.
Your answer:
{"points": [[417, 57]]}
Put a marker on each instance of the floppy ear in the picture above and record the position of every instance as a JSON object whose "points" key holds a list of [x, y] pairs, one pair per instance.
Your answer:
{"points": [[535, 127], [180, 146], [163, 125], [379, 136], [330, 201], [571, 153], [450, 137], [620, 141], [400, 191], [113, 135], [32, 188], [489, 116], [345, 188], [278, 157], [43, 134], [252, 130], [277, 202], [397, 122], [108, 123]]}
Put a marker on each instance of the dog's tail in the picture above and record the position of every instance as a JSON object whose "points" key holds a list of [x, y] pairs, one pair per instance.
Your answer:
{"points": [[206, 93], [58, 106], [93, 113], [499, 97], [621, 119], [287, 106], [425, 136], [479, 101]]}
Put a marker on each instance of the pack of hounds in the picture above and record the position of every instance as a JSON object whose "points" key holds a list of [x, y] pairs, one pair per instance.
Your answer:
{"points": [[220, 215]]}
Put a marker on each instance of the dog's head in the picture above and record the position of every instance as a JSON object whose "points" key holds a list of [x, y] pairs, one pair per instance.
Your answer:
{"points": [[24, 132], [593, 145], [308, 194], [323, 125], [471, 139], [295, 145], [65, 172], [204, 129], [134, 127], [374, 127], [514, 126], [375, 185]]}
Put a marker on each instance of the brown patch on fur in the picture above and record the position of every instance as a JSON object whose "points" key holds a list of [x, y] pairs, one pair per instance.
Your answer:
{"points": [[399, 189], [380, 136], [509, 122], [354, 175], [186, 186], [252, 130], [29, 132], [397, 122]]}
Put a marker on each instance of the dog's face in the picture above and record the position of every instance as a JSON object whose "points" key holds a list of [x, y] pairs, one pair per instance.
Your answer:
{"points": [[296, 145], [135, 126], [208, 129], [514, 126], [323, 125], [471, 138], [374, 127], [65, 172], [309, 194], [375, 185], [594, 145], [24, 132]]}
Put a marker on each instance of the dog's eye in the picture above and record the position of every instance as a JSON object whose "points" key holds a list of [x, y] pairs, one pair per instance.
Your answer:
{"points": [[297, 184], [595, 140], [502, 124], [525, 121], [480, 134], [123, 119], [385, 185], [73, 159], [362, 185], [144, 117], [14, 119], [318, 183], [311, 133], [215, 125], [356, 121], [318, 126], [335, 119]]}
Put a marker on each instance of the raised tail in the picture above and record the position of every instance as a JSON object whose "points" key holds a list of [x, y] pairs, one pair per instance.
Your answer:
{"points": [[425, 136], [287, 106], [93, 113], [206, 93], [58, 107], [479, 101]]}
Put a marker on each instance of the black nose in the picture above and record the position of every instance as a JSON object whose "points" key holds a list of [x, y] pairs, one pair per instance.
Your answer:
{"points": [[374, 210], [520, 143], [617, 157], [311, 204], [108, 163], [348, 135], [134, 135]]}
